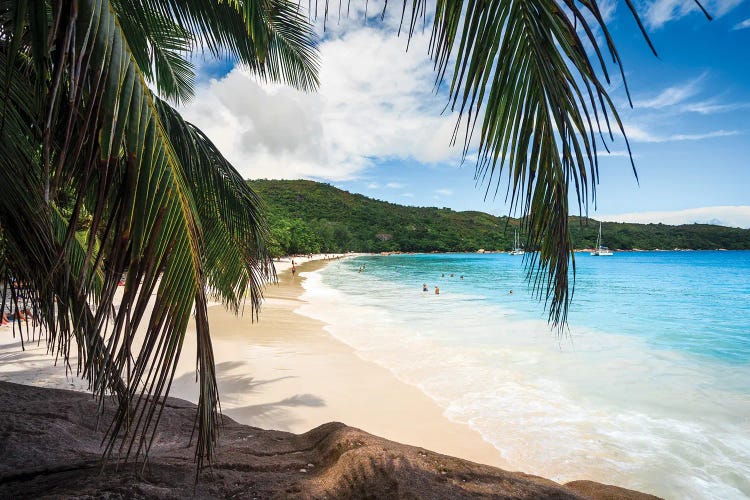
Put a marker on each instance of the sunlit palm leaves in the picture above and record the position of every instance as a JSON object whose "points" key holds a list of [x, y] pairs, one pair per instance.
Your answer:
{"points": [[165, 207]]}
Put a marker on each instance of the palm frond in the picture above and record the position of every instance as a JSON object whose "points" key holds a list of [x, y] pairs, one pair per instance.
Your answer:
{"points": [[232, 214], [271, 38], [523, 67], [106, 180], [522, 83], [160, 47], [108, 141]]}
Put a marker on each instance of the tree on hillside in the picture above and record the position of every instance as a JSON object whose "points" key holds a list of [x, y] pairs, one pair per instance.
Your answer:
{"points": [[86, 128]]}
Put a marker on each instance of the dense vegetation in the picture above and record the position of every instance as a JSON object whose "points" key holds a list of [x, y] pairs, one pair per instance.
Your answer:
{"points": [[311, 217]]}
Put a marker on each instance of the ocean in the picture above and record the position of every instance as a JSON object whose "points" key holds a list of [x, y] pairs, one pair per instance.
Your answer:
{"points": [[648, 388]]}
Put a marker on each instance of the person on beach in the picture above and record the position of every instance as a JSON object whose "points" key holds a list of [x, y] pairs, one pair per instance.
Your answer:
{"points": [[294, 270], [424, 287], [21, 315], [437, 291]]}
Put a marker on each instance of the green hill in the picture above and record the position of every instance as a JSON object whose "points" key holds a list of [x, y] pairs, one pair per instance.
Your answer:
{"points": [[311, 217]]}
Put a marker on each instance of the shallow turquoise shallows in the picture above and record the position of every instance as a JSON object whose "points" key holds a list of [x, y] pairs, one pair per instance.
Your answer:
{"points": [[648, 388]]}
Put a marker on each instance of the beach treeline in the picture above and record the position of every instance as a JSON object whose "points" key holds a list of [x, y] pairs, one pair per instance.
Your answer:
{"points": [[311, 217]]}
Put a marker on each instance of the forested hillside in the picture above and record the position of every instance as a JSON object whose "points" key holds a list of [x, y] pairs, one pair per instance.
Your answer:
{"points": [[311, 217]]}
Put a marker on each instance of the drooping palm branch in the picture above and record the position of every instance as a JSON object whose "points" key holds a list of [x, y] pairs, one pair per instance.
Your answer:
{"points": [[529, 79], [165, 207], [524, 84]]}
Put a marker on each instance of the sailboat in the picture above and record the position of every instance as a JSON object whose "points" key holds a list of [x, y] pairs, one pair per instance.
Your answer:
{"points": [[517, 249], [601, 250]]}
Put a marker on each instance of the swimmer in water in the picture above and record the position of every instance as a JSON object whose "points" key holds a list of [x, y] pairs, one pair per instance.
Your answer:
{"points": [[424, 287]]}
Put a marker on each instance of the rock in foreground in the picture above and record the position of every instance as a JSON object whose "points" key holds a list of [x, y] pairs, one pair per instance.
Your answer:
{"points": [[50, 447]]}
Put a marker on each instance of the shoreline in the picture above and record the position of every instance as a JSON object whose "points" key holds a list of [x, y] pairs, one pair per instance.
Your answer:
{"points": [[286, 372]]}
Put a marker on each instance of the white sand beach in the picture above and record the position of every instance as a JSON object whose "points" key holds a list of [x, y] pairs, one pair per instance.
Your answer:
{"points": [[285, 372]]}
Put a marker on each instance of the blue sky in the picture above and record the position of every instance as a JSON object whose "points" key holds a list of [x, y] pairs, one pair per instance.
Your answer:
{"points": [[377, 128]]}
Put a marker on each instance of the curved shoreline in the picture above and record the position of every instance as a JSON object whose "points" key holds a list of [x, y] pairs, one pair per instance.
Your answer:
{"points": [[286, 372]]}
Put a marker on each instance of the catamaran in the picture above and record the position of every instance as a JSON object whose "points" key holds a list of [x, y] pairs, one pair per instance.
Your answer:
{"points": [[601, 250], [517, 249]]}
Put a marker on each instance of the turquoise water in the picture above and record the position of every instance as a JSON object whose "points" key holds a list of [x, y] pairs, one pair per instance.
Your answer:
{"points": [[649, 388], [698, 302]]}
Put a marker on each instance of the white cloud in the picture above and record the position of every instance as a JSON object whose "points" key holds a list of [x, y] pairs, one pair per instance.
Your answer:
{"points": [[742, 25], [602, 153], [712, 107], [734, 216], [677, 97], [376, 101], [408, 195], [394, 185], [444, 192], [660, 12], [699, 137], [637, 134], [672, 95], [373, 185]]}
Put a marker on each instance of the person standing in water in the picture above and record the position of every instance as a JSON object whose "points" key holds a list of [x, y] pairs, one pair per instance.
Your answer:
{"points": [[424, 287], [437, 291]]}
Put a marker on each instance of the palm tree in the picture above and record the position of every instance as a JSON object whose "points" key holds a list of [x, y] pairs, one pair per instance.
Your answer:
{"points": [[103, 177]]}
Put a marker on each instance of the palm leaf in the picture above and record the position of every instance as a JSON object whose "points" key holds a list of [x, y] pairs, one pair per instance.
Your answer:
{"points": [[271, 38], [522, 83], [522, 66], [165, 206], [232, 214]]}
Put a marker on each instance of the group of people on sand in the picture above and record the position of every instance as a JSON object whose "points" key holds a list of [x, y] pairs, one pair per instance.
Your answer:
{"points": [[18, 313], [21, 315]]}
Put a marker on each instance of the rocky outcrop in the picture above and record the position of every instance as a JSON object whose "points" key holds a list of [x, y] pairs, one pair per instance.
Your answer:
{"points": [[50, 448]]}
